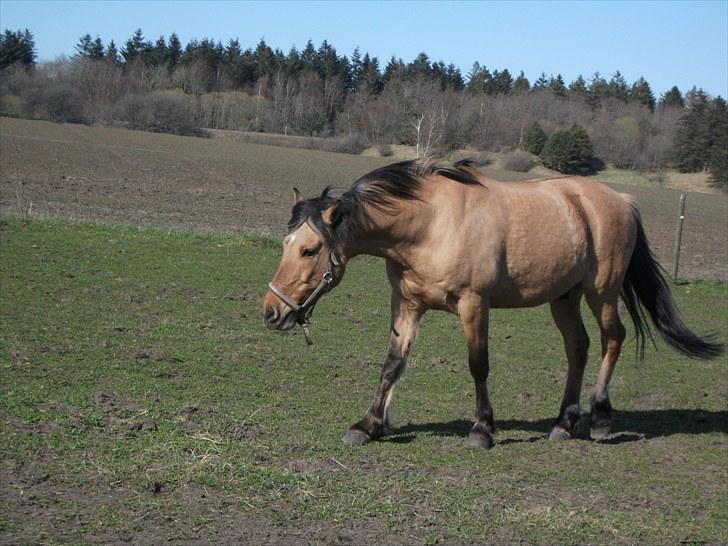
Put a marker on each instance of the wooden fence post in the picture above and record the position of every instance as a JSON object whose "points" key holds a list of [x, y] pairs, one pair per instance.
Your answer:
{"points": [[678, 235]]}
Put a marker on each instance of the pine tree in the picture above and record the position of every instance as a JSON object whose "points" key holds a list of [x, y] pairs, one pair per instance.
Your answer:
{"points": [[534, 138], [454, 77], [308, 56], [642, 93], [569, 151], [420, 66], [521, 84], [542, 82], [158, 54], [557, 86], [83, 47], [578, 89], [394, 71], [355, 65], [174, 50], [112, 53], [17, 48], [692, 142], [718, 152], [501, 82], [479, 79], [617, 87], [598, 90], [135, 47], [370, 78], [672, 99]]}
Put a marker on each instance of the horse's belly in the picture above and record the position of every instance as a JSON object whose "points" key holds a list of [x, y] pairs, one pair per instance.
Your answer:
{"points": [[532, 284]]}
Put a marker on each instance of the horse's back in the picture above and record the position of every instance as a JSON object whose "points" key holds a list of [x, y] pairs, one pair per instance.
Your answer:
{"points": [[562, 232]]}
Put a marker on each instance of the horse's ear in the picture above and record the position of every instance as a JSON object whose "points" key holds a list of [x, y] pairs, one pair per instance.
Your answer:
{"points": [[297, 197], [332, 214]]}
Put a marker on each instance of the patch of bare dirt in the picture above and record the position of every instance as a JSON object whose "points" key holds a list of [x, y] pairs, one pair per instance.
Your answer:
{"points": [[36, 509]]}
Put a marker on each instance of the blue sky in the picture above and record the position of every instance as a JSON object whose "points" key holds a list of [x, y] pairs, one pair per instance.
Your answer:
{"points": [[681, 43]]}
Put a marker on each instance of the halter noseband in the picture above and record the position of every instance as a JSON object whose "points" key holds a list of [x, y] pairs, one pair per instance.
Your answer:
{"points": [[304, 310]]}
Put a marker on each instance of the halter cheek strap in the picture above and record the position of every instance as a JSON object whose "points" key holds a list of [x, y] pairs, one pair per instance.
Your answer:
{"points": [[305, 310]]}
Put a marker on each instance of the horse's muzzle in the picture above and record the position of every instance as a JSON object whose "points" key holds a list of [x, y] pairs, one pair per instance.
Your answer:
{"points": [[274, 320]]}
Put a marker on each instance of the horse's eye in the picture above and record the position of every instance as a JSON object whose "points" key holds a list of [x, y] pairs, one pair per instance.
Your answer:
{"points": [[309, 252]]}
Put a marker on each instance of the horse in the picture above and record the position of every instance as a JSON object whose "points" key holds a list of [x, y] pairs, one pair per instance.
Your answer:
{"points": [[457, 241]]}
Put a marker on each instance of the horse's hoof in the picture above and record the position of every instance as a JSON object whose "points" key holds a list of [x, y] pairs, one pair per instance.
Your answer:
{"points": [[558, 433], [480, 440], [599, 430], [356, 437]]}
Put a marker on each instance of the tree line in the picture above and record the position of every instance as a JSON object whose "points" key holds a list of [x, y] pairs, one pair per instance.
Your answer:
{"points": [[163, 85]]}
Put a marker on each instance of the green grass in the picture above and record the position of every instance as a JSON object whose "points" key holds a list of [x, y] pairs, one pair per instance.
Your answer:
{"points": [[141, 394]]}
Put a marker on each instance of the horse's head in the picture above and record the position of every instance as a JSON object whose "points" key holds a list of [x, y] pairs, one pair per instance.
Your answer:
{"points": [[311, 264]]}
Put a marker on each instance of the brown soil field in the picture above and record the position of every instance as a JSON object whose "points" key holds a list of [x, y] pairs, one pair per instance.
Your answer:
{"points": [[131, 177]]}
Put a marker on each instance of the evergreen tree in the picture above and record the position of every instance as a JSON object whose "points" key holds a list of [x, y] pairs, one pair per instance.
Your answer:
{"points": [[534, 138], [578, 89], [308, 56], [135, 47], [617, 87], [394, 71], [293, 62], [542, 82], [83, 47], [356, 66], [642, 93], [557, 86], [174, 50], [718, 152], [501, 82], [672, 99], [370, 78], [691, 147], [569, 151], [158, 54], [420, 66], [17, 48], [454, 78], [598, 90], [521, 84], [112, 53], [479, 79]]}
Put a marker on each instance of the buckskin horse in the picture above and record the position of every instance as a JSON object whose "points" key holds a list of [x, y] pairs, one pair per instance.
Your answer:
{"points": [[456, 241]]}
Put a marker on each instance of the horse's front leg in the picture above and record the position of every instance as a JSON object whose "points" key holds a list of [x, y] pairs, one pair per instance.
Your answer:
{"points": [[474, 316], [406, 317]]}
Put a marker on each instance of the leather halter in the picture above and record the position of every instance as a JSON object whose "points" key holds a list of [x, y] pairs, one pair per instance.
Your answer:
{"points": [[304, 310]]}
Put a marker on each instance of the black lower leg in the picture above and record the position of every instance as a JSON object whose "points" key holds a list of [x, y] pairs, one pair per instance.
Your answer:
{"points": [[601, 412], [373, 425]]}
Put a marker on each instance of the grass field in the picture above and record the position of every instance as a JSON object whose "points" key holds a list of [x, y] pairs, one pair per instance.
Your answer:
{"points": [[143, 401]]}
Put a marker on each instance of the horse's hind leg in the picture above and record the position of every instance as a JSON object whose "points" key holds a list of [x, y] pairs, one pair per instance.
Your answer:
{"points": [[613, 334], [567, 316]]}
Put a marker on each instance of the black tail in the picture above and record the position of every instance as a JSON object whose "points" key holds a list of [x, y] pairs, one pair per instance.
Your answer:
{"points": [[645, 289]]}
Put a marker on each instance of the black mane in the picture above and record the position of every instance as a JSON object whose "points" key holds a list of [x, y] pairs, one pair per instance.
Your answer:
{"points": [[382, 188]]}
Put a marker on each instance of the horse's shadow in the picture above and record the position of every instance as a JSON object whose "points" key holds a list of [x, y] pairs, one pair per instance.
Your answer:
{"points": [[637, 425]]}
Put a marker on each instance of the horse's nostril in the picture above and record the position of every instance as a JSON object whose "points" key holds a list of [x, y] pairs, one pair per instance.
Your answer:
{"points": [[271, 315]]}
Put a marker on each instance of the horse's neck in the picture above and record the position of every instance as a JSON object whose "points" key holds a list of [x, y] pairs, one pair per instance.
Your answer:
{"points": [[386, 234]]}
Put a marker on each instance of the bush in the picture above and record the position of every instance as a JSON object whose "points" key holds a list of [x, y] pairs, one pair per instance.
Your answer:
{"points": [[518, 161], [570, 151], [60, 104], [534, 139], [354, 144], [385, 150], [157, 112]]}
